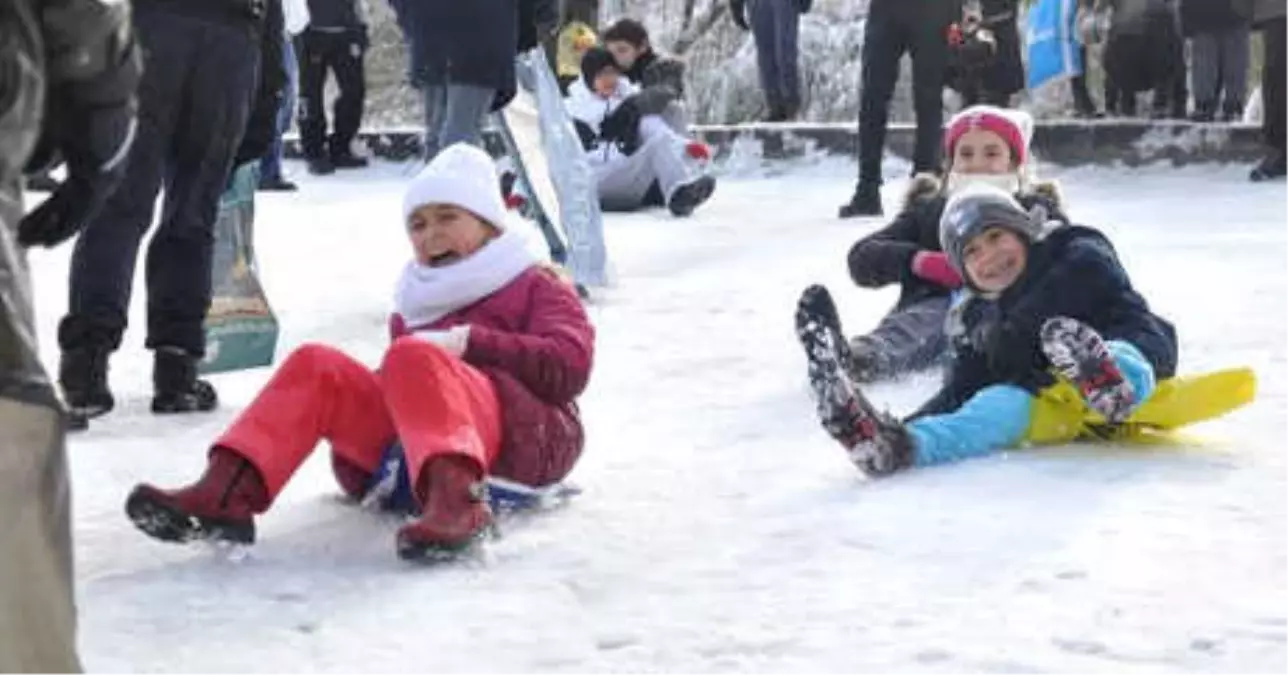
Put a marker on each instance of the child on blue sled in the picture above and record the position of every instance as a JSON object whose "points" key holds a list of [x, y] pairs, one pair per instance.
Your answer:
{"points": [[1043, 299]]}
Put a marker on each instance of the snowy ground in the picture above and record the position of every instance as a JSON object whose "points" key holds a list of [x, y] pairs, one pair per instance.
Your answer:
{"points": [[721, 530]]}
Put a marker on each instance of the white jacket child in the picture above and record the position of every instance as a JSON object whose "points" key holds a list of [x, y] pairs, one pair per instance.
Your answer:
{"points": [[590, 109]]}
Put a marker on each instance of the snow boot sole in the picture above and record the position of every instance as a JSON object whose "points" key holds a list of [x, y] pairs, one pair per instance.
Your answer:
{"points": [[1079, 354], [874, 441], [168, 524], [689, 197]]}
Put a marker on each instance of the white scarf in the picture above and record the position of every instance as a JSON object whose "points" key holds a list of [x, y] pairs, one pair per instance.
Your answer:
{"points": [[1011, 183], [426, 294]]}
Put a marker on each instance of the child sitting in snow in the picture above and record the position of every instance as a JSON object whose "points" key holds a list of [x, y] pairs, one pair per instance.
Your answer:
{"points": [[1042, 299], [638, 160], [490, 351], [982, 144]]}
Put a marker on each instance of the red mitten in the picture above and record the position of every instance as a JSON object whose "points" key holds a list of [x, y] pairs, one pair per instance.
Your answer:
{"points": [[515, 201], [934, 267], [698, 150]]}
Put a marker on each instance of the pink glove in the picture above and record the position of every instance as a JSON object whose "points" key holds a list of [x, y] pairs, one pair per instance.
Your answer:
{"points": [[935, 268], [453, 340]]}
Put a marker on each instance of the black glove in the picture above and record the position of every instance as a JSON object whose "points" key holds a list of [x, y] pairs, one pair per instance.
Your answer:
{"points": [[92, 122], [585, 134], [622, 126], [738, 12]]}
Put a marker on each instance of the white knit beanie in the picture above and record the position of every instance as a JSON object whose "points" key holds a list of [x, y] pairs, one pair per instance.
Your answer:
{"points": [[461, 175]]}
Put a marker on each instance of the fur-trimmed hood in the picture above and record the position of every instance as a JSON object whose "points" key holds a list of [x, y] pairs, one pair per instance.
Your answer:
{"points": [[925, 185]]}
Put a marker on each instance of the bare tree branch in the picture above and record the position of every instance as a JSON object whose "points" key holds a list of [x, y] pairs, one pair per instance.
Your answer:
{"points": [[701, 25]]}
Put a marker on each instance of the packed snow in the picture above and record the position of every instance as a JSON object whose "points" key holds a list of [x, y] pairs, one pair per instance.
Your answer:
{"points": [[720, 528]]}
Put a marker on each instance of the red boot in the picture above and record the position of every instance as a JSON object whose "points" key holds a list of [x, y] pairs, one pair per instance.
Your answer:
{"points": [[456, 513], [221, 506]]}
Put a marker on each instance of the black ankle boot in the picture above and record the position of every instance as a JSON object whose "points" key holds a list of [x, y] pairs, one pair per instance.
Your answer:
{"points": [[82, 373], [865, 202], [175, 384]]}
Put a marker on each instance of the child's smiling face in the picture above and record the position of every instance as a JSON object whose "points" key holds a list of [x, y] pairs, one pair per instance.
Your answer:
{"points": [[442, 234], [995, 259], [980, 151]]}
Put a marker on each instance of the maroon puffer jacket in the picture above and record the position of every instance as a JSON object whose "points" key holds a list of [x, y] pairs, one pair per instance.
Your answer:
{"points": [[533, 340]]}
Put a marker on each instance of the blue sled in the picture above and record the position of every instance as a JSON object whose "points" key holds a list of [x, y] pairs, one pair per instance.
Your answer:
{"points": [[390, 489]]}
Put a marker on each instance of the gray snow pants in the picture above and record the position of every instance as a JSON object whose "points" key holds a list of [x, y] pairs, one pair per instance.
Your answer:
{"points": [[774, 26], [623, 181], [909, 338], [454, 114], [1220, 62]]}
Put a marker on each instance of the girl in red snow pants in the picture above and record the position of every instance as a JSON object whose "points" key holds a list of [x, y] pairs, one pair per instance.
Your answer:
{"points": [[440, 407]]}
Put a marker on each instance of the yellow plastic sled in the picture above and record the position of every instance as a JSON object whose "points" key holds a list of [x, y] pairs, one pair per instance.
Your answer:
{"points": [[1059, 414]]}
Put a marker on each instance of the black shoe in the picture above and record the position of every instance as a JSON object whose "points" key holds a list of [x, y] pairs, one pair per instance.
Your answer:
{"points": [[1270, 168], [320, 166], [348, 160], [689, 196], [1088, 114], [176, 388], [276, 184], [42, 182], [1231, 112], [1203, 112], [875, 442], [82, 373], [865, 202]]}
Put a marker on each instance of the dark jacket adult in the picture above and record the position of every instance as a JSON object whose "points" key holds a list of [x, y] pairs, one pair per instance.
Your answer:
{"points": [[661, 82], [1003, 73], [1205, 16], [470, 42], [1073, 272], [885, 256]]}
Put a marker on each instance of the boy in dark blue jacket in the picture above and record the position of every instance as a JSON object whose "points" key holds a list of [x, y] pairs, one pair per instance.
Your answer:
{"points": [[1042, 302]]}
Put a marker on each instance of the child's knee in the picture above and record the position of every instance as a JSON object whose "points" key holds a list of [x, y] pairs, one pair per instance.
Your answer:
{"points": [[353, 479], [1134, 366]]}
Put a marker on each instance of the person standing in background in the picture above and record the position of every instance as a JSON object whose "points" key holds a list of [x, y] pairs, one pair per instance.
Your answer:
{"points": [[1218, 34], [1089, 33], [920, 28], [70, 73], [296, 15], [1271, 18], [334, 42], [202, 66], [775, 27]]}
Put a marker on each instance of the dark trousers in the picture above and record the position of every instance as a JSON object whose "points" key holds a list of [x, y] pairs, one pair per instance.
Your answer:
{"points": [[1220, 63], [1272, 85], [194, 99], [1082, 101], [774, 25], [341, 53], [908, 338], [886, 38]]}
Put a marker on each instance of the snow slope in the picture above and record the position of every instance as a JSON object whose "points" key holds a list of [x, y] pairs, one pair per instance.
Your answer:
{"points": [[721, 530]]}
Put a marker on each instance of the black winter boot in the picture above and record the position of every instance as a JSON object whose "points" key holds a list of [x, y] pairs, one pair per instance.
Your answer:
{"points": [[345, 159], [1271, 167], [82, 373], [320, 166], [877, 443], [865, 202], [175, 384], [690, 196]]}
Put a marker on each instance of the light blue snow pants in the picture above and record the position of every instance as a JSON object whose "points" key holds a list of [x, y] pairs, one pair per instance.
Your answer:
{"points": [[997, 416]]}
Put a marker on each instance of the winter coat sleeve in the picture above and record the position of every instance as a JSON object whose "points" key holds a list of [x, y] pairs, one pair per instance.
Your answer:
{"points": [[885, 256], [552, 358], [663, 84]]}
